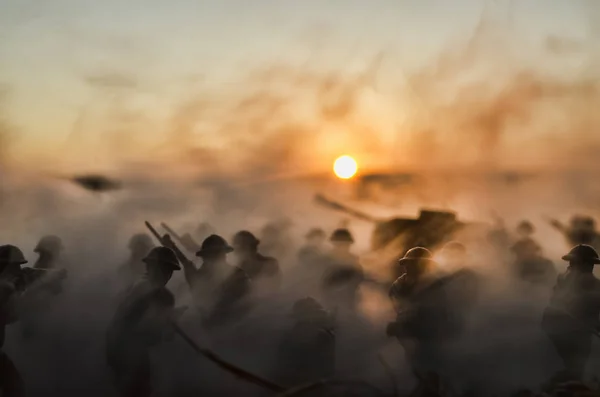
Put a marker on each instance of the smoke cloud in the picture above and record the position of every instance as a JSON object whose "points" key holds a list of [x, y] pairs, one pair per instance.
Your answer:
{"points": [[242, 157]]}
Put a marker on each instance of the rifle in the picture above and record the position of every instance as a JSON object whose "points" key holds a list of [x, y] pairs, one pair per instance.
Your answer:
{"points": [[186, 240], [166, 241], [221, 363]]}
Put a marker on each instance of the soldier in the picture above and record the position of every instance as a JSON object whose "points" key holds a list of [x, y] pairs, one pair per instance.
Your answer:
{"points": [[343, 274], [264, 271], [52, 273], [420, 303], [464, 289], [311, 254], [190, 240], [276, 239], [572, 316], [49, 249], [11, 286], [140, 322], [582, 230], [307, 352], [139, 247], [529, 265], [525, 229], [219, 289]]}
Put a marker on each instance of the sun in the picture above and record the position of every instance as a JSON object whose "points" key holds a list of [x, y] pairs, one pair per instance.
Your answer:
{"points": [[345, 167]]}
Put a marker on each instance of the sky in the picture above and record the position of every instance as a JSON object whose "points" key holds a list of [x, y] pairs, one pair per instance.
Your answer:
{"points": [[70, 67]]}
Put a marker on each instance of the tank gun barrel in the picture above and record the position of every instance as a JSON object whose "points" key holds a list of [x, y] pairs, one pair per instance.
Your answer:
{"points": [[333, 205]]}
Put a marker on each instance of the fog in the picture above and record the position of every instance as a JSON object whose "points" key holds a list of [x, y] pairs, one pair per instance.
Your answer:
{"points": [[477, 110]]}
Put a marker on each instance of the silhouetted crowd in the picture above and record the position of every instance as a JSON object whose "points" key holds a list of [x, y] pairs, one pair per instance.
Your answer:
{"points": [[433, 289]]}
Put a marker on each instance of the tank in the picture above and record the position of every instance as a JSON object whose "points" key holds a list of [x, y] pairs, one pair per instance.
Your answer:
{"points": [[431, 229]]}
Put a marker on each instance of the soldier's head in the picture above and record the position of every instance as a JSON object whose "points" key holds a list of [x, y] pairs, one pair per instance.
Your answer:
{"points": [[11, 259], [583, 228], [203, 230], [245, 243], [49, 245], [140, 245], [315, 237], [341, 239], [525, 229], [417, 261], [214, 248], [161, 262], [582, 257], [454, 254]]}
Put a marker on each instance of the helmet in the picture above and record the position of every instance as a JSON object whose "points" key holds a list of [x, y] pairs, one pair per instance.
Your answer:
{"points": [[342, 236], [204, 229], [525, 227], [163, 255], [49, 243], [417, 253], [141, 240], [583, 253], [11, 255], [214, 244], [315, 233], [420, 259], [245, 239], [454, 246]]}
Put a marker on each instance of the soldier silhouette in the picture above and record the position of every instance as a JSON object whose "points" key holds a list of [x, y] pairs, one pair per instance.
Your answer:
{"points": [[572, 316], [220, 290], [312, 252], [135, 267], [343, 274], [51, 271], [530, 265], [420, 303], [49, 249], [264, 271], [13, 283], [307, 351], [140, 322]]}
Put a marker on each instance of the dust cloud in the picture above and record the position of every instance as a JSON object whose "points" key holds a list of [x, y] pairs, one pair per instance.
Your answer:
{"points": [[239, 159]]}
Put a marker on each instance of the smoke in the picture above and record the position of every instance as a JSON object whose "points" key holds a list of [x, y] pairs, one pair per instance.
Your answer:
{"points": [[236, 158]]}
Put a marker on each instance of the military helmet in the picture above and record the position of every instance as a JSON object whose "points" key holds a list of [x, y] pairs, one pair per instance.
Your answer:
{"points": [[455, 246], [204, 229], [315, 233], [11, 255], [49, 243], [525, 227], [141, 240], [214, 244], [417, 253], [418, 258], [342, 236], [245, 238], [583, 253], [162, 255]]}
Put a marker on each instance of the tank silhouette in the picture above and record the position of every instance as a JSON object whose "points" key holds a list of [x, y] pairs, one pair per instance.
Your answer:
{"points": [[431, 229]]}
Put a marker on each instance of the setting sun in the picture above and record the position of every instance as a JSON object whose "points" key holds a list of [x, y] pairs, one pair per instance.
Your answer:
{"points": [[345, 167]]}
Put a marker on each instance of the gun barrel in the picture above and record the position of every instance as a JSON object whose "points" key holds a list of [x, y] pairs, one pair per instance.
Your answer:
{"points": [[319, 199], [171, 231], [180, 255]]}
